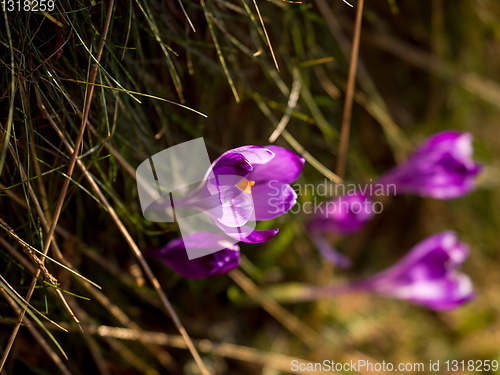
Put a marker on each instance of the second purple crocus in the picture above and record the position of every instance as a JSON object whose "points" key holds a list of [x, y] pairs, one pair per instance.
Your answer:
{"points": [[427, 275], [442, 168]]}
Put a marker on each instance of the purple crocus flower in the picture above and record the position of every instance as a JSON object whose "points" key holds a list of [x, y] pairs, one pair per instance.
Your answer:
{"points": [[427, 275], [341, 216], [174, 255], [248, 183], [265, 174], [442, 168]]}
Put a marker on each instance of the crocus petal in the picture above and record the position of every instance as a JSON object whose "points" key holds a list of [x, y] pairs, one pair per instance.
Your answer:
{"points": [[427, 274], [232, 164], [457, 143], [272, 199], [432, 258], [236, 211], [259, 236], [248, 234], [254, 154], [442, 168], [224, 173], [443, 294], [174, 255], [284, 167]]}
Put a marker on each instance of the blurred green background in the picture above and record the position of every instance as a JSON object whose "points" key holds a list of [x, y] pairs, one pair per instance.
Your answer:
{"points": [[424, 67]]}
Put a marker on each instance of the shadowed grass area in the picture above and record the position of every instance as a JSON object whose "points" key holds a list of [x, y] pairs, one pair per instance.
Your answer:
{"points": [[119, 82]]}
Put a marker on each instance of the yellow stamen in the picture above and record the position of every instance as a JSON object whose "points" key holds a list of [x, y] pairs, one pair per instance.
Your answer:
{"points": [[246, 185]]}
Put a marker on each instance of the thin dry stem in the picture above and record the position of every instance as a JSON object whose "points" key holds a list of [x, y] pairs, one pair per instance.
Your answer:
{"points": [[38, 337], [395, 136], [276, 361], [268, 40], [132, 357], [290, 321], [346, 117], [186, 15]]}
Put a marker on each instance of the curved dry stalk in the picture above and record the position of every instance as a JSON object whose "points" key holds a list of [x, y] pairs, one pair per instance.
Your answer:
{"points": [[292, 103], [315, 163]]}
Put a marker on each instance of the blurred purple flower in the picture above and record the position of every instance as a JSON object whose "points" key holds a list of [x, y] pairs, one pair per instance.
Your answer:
{"points": [[427, 275], [174, 255], [442, 168], [248, 183], [342, 215]]}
